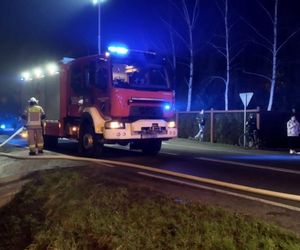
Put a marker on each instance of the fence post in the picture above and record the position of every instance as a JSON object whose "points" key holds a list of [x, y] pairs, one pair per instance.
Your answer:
{"points": [[211, 125], [177, 120], [258, 118]]}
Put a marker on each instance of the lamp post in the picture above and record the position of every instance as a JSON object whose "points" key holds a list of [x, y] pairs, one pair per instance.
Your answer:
{"points": [[98, 2]]}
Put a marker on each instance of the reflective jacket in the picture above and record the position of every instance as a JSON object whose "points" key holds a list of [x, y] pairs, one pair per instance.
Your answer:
{"points": [[293, 128], [34, 115]]}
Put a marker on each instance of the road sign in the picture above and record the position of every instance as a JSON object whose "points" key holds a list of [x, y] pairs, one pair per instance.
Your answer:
{"points": [[246, 98]]}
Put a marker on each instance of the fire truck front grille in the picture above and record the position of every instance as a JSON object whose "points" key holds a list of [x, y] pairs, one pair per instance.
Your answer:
{"points": [[146, 112]]}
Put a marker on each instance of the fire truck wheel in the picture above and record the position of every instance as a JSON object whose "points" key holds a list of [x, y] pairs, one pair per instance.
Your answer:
{"points": [[50, 141], [151, 147], [89, 142]]}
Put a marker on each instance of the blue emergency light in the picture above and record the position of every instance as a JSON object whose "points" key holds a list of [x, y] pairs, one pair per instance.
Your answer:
{"points": [[118, 50], [167, 106], [2, 126]]}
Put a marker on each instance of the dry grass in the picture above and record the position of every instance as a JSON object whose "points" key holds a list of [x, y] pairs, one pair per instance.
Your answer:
{"points": [[72, 209]]}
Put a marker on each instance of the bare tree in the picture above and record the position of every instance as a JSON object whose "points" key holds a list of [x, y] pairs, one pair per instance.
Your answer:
{"points": [[189, 12], [226, 50], [272, 46], [190, 20]]}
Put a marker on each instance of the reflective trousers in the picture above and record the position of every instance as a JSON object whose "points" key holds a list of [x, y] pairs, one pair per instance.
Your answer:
{"points": [[35, 139]]}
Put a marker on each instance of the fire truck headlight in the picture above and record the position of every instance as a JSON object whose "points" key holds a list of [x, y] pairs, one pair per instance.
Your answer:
{"points": [[171, 124], [114, 125]]}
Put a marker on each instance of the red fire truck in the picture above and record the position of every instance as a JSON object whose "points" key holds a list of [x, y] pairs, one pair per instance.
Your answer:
{"points": [[108, 99]]}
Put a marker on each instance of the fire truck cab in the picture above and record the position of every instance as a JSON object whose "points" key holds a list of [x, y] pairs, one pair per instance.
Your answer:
{"points": [[108, 99]]}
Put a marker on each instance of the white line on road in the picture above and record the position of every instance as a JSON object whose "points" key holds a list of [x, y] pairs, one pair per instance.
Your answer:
{"points": [[165, 153], [249, 165], [276, 204], [181, 146]]}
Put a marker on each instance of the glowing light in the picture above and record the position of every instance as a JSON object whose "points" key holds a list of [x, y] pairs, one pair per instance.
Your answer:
{"points": [[130, 69], [167, 107], [3, 126], [114, 125], [24, 134], [171, 124], [118, 50], [26, 76], [52, 69], [38, 73], [95, 2]]}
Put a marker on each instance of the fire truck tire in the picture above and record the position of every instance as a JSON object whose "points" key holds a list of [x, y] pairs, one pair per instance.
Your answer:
{"points": [[151, 147], [50, 141], [89, 143]]}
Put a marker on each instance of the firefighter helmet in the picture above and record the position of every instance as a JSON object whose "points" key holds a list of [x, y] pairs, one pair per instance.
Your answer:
{"points": [[33, 100]]}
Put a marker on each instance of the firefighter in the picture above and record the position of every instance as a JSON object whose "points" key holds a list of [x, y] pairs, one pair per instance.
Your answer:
{"points": [[34, 114]]}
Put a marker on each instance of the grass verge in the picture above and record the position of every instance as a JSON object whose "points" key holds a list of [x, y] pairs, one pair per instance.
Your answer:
{"points": [[81, 209]]}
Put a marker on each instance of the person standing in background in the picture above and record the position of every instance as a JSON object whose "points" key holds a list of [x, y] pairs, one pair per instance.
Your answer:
{"points": [[201, 125], [293, 131]]}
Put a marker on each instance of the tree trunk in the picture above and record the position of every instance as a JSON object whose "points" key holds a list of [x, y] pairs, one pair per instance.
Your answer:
{"points": [[227, 56], [274, 66], [190, 84]]}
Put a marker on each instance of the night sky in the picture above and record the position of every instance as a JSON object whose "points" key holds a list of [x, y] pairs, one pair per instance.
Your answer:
{"points": [[35, 31]]}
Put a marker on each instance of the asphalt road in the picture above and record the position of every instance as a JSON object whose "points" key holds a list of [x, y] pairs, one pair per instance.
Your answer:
{"points": [[272, 170]]}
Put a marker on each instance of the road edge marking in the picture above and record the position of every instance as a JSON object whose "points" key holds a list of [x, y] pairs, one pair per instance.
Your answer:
{"points": [[273, 203], [249, 165]]}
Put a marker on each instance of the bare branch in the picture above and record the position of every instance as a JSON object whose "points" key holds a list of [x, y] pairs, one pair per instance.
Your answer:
{"points": [[286, 40], [257, 32], [186, 82], [257, 74], [220, 9], [176, 33], [195, 13], [261, 44], [267, 12], [236, 55], [212, 78], [177, 8], [186, 14], [219, 49]]}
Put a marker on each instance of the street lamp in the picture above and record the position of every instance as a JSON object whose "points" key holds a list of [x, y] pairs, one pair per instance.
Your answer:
{"points": [[98, 2]]}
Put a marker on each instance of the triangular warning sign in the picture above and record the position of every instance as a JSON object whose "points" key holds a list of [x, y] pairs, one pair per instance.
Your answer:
{"points": [[246, 98]]}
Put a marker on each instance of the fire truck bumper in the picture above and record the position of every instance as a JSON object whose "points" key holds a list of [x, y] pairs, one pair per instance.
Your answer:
{"points": [[143, 129]]}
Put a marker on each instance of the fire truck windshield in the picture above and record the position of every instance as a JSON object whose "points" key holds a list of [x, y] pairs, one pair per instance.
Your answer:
{"points": [[134, 76]]}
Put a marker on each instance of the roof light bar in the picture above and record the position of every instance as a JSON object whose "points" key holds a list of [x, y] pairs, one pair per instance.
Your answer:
{"points": [[118, 50]]}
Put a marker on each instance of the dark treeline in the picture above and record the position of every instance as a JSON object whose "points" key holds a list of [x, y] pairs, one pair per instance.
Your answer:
{"points": [[254, 52], [181, 30]]}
